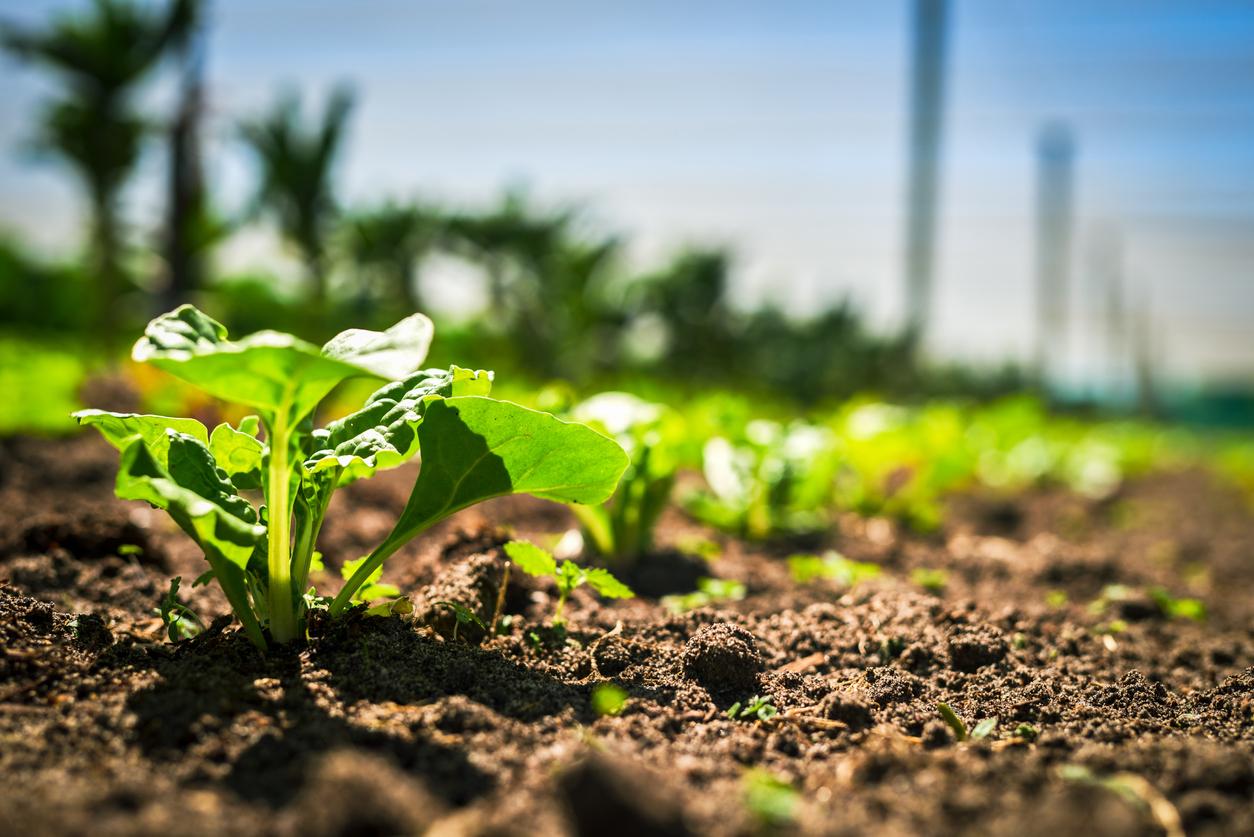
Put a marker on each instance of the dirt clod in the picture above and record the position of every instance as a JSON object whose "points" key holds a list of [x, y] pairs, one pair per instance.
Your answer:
{"points": [[723, 658]]}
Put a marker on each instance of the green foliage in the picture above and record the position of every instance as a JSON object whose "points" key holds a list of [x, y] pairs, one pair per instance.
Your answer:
{"points": [[622, 529], [40, 382], [930, 579], [1178, 608], [568, 576], [831, 566], [608, 699], [756, 708], [709, 591], [774, 480], [473, 448], [769, 799]]}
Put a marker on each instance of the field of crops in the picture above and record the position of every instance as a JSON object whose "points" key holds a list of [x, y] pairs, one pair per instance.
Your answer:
{"points": [[703, 612]]}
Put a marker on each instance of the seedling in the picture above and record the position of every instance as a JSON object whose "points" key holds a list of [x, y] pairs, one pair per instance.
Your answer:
{"points": [[462, 616], [568, 576], [756, 708], [622, 529], [608, 699], [709, 591], [1027, 732], [473, 448], [832, 566], [982, 730], [181, 622]]}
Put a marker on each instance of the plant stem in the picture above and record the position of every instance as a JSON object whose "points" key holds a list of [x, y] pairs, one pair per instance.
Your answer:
{"points": [[282, 612], [381, 554]]}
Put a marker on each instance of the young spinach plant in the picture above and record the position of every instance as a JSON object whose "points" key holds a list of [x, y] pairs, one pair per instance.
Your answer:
{"points": [[472, 448], [538, 562], [621, 530]]}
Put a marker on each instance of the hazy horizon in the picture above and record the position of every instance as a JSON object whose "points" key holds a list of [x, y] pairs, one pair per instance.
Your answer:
{"points": [[778, 131]]}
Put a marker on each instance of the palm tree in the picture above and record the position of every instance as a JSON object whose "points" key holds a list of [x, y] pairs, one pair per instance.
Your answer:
{"points": [[101, 57], [296, 168], [387, 242]]}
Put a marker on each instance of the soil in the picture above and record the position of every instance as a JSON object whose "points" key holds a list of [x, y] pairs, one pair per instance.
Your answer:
{"points": [[1122, 721]]}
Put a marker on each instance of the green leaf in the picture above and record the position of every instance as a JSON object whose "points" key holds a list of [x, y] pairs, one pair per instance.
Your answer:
{"points": [[477, 448], [393, 354], [383, 433], [281, 375], [531, 559], [607, 585], [204, 504], [238, 452], [569, 576], [120, 429], [950, 717], [984, 728], [371, 589], [200, 500]]}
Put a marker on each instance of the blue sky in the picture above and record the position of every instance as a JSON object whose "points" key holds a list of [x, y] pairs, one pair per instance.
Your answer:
{"points": [[775, 128]]}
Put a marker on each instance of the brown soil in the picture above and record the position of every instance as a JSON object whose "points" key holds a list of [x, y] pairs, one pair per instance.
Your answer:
{"points": [[390, 726]]}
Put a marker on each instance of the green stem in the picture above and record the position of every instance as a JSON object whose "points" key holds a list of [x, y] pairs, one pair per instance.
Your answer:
{"points": [[381, 554], [561, 605], [282, 610]]}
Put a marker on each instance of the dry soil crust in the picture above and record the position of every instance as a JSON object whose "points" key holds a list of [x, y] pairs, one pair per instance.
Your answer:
{"points": [[383, 726]]}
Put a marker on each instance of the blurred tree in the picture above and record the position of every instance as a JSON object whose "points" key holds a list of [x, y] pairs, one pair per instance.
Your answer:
{"points": [[386, 243], [509, 240], [191, 227], [101, 57], [689, 296], [296, 169]]}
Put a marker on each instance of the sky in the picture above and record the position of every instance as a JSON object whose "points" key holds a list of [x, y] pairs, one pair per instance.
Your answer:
{"points": [[776, 129]]}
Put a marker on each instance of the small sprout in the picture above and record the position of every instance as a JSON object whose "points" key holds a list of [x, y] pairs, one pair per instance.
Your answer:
{"points": [[984, 728], [371, 588], [833, 567], [1027, 732], [1056, 599], [180, 621], [129, 549], [399, 606], [463, 615], [771, 800], [535, 561], [1019, 641], [1174, 608], [931, 580], [951, 718], [709, 591], [756, 707], [608, 699]]}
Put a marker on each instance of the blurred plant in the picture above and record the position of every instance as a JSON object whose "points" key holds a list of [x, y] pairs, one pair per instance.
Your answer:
{"points": [[622, 529], [709, 591], [386, 243], [776, 480], [296, 164], [832, 566], [101, 57]]}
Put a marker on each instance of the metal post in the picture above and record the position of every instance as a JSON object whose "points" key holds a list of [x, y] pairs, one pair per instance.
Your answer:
{"points": [[927, 88]]}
